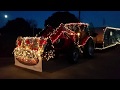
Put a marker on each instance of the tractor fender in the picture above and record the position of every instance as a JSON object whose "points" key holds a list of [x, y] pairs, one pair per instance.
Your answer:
{"points": [[85, 40]]}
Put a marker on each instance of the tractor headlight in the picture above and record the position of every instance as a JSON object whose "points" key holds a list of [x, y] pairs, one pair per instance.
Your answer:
{"points": [[78, 34]]}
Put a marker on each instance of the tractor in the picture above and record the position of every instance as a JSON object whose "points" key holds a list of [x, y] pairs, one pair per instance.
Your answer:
{"points": [[70, 39]]}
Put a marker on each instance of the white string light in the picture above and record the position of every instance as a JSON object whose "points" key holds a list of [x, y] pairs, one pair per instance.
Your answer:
{"points": [[30, 49], [114, 44]]}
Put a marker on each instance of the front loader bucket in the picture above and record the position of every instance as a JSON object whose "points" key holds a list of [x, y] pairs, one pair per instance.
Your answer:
{"points": [[28, 55], [36, 67]]}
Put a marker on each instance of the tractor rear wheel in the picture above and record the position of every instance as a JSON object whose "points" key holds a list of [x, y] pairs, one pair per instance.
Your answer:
{"points": [[88, 50]]}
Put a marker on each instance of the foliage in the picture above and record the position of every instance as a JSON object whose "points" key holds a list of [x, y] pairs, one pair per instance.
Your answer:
{"points": [[60, 17], [10, 32]]}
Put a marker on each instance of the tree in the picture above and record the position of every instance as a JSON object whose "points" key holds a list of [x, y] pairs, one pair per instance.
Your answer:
{"points": [[18, 27], [10, 32], [18, 23], [60, 17], [33, 23]]}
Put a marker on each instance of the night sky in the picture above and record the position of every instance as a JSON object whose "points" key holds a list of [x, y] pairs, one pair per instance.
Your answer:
{"points": [[98, 18]]}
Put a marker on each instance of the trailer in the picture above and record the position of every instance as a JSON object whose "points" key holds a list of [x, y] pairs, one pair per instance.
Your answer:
{"points": [[106, 37], [70, 39]]}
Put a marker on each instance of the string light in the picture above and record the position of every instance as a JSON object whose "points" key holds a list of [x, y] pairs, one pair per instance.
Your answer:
{"points": [[30, 50], [114, 44]]}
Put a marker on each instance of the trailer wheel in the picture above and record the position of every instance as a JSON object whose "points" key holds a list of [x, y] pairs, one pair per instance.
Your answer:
{"points": [[73, 55], [88, 50]]}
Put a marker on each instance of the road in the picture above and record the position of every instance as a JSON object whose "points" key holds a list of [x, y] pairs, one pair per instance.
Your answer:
{"points": [[105, 65]]}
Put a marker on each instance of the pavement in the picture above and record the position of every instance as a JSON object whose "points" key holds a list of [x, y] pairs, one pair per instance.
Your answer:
{"points": [[105, 65]]}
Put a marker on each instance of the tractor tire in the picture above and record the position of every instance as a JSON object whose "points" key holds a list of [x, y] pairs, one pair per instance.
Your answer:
{"points": [[56, 54], [88, 51], [73, 55]]}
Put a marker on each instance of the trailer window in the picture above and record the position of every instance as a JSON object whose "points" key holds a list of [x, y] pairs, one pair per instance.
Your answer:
{"points": [[111, 33]]}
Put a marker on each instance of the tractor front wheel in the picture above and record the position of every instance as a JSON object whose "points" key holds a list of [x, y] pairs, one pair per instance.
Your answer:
{"points": [[73, 55]]}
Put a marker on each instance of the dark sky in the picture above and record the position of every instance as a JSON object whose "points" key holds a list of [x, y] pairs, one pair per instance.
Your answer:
{"points": [[98, 18]]}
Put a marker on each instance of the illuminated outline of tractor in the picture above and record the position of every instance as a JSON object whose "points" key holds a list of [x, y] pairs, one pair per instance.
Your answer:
{"points": [[71, 39]]}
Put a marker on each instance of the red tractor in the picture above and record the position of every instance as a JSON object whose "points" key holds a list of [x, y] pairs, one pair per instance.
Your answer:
{"points": [[71, 39]]}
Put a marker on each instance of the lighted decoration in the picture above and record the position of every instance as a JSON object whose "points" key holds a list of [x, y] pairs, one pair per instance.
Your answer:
{"points": [[33, 44], [19, 41], [30, 51], [26, 56], [111, 45]]}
